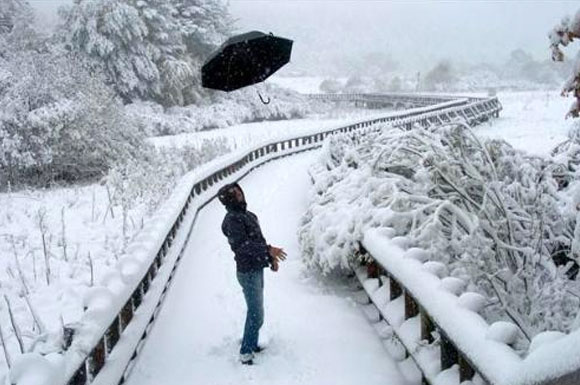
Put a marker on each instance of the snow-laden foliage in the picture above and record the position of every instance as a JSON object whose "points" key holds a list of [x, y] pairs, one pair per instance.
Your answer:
{"points": [[14, 13], [494, 215], [149, 49], [236, 107], [562, 35], [58, 119]]}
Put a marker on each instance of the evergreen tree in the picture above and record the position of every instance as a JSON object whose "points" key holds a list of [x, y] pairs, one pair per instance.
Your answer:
{"points": [[113, 33], [149, 49]]}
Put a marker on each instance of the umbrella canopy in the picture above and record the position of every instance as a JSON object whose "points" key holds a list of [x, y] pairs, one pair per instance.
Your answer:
{"points": [[244, 60]]}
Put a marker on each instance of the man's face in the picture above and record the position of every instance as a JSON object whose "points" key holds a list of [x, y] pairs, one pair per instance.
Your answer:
{"points": [[238, 194]]}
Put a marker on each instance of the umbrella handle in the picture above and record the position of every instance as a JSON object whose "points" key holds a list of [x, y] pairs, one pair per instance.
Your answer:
{"points": [[262, 99]]}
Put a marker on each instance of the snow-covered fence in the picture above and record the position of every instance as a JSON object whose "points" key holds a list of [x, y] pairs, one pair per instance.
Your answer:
{"points": [[439, 325], [389, 100], [120, 312]]}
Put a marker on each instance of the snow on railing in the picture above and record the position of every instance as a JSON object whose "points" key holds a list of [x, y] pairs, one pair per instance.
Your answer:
{"points": [[390, 99], [440, 327], [121, 310]]}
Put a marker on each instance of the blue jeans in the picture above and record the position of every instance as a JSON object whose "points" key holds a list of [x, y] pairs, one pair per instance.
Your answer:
{"points": [[253, 286]]}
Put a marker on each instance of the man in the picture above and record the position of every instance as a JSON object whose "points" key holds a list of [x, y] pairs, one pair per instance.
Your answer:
{"points": [[252, 255]]}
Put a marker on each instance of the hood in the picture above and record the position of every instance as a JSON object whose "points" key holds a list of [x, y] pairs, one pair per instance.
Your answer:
{"points": [[228, 198]]}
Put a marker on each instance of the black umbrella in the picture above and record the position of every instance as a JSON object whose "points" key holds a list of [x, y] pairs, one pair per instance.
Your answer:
{"points": [[244, 60]]}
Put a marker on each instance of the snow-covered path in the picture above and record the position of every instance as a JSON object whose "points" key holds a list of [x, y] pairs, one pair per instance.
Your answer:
{"points": [[313, 334]]}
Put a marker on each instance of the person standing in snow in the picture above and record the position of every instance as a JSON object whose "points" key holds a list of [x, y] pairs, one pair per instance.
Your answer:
{"points": [[252, 255]]}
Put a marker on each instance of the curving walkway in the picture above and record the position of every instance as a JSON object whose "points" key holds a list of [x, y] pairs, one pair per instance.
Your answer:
{"points": [[314, 335]]}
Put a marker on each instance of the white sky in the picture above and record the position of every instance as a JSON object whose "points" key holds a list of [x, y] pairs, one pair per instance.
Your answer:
{"points": [[415, 33]]}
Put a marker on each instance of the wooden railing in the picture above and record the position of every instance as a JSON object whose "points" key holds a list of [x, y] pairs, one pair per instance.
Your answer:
{"points": [[437, 321], [389, 100], [129, 322]]}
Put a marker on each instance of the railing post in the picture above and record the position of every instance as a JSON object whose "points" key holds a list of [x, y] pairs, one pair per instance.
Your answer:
{"points": [[427, 328], [96, 359], [372, 270], [449, 356], [112, 335], [395, 289], [466, 372], [411, 308], [80, 377], [126, 314]]}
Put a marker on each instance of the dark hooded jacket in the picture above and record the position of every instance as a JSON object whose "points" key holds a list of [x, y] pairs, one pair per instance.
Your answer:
{"points": [[242, 229]]}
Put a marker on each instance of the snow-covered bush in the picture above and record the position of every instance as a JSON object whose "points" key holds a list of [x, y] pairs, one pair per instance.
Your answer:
{"points": [[225, 109], [149, 179], [59, 121], [562, 35], [493, 215]]}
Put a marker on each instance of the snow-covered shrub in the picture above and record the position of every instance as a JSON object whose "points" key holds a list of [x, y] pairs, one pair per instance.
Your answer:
{"points": [[562, 35], [150, 178], [58, 120], [493, 215], [225, 109]]}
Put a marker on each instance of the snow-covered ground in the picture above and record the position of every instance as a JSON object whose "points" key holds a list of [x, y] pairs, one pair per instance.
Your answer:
{"points": [[83, 237], [244, 135], [313, 333], [531, 121]]}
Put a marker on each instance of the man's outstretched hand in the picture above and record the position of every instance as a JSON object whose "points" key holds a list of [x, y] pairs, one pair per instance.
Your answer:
{"points": [[277, 255]]}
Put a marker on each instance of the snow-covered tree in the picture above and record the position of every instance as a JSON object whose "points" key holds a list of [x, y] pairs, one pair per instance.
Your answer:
{"points": [[205, 24], [16, 27], [13, 12], [562, 35], [113, 33], [440, 77], [59, 121], [149, 49]]}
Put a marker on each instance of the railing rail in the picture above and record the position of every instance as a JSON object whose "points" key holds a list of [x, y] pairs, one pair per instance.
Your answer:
{"points": [[109, 356]]}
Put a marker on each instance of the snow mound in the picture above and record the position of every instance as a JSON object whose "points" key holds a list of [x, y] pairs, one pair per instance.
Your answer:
{"points": [[372, 313], [387, 232], [453, 285], [418, 254], [33, 369], [402, 242], [504, 332], [98, 298], [438, 269], [545, 338], [473, 301], [130, 269]]}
